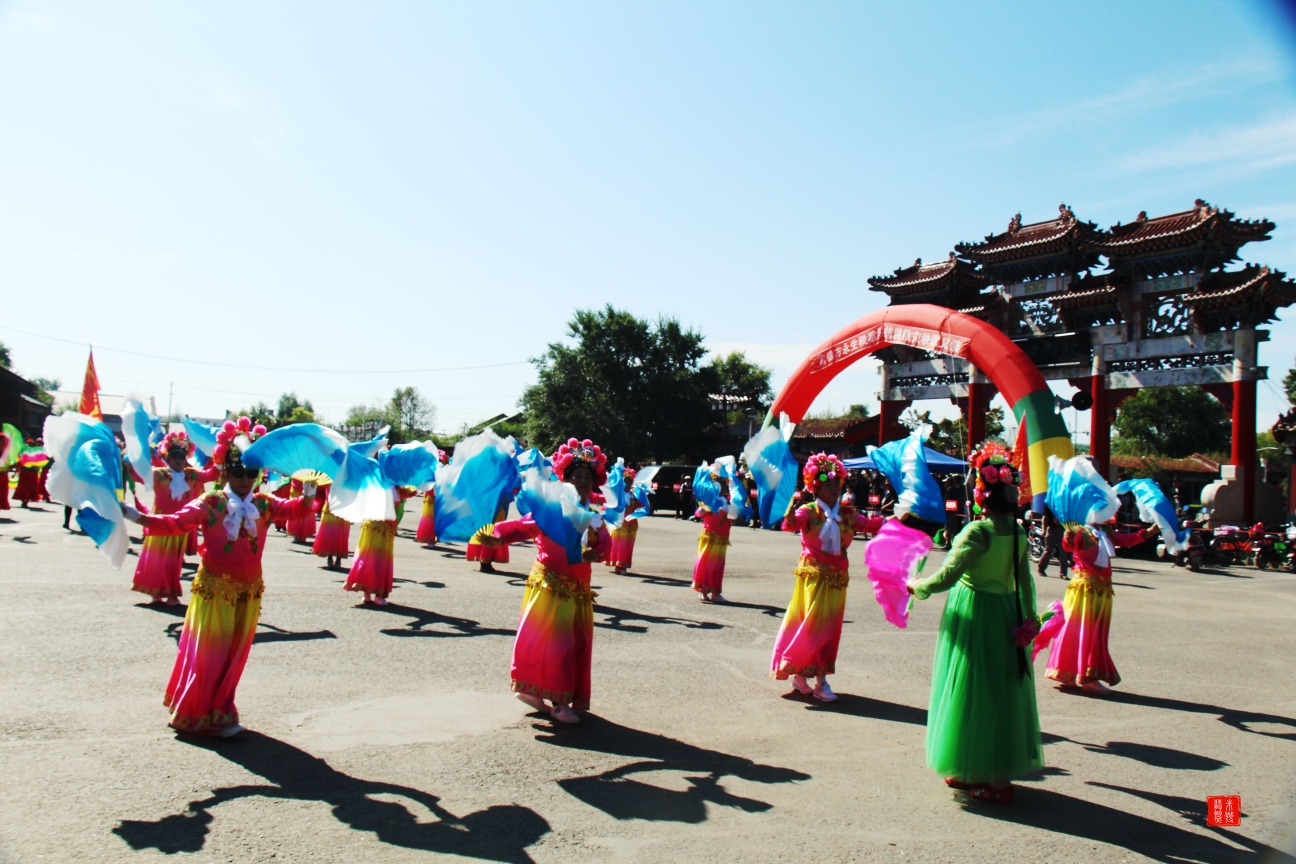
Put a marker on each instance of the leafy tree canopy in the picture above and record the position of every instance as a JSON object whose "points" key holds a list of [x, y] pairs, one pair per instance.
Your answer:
{"points": [[950, 436], [1289, 384], [45, 388], [289, 409], [633, 386], [1172, 421], [408, 412], [5, 360]]}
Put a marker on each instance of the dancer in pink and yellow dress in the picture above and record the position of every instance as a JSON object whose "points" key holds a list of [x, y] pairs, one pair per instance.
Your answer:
{"points": [[553, 651], [373, 570], [333, 539], [161, 558], [713, 542], [625, 534], [425, 533], [480, 548], [302, 528], [806, 645], [226, 595], [1079, 657]]}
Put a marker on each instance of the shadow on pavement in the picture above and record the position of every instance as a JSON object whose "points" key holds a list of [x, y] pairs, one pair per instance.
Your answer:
{"points": [[619, 795], [270, 633], [771, 611], [1230, 716], [423, 618], [1062, 814], [863, 706], [278, 634], [177, 610], [1158, 757], [665, 581], [499, 833], [617, 616]]}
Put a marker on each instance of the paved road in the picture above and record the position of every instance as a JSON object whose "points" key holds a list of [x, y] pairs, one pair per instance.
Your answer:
{"points": [[389, 734]]}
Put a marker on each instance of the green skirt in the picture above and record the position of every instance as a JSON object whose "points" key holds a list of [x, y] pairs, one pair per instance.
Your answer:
{"points": [[982, 724]]}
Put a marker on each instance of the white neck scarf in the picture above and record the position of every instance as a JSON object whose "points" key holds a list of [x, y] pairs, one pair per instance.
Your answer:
{"points": [[1106, 551], [240, 511], [179, 486], [830, 533]]}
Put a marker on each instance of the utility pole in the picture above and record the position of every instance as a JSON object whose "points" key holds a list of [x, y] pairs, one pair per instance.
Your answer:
{"points": [[170, 388]]}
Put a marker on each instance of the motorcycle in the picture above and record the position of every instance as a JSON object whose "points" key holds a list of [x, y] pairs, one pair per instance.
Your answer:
{"points": [[1269, 550], [1229, 545], [1193, 556]]}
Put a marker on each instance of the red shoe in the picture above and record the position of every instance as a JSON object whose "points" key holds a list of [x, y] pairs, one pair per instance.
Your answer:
{"points": [[983, 792], [955, 783]]}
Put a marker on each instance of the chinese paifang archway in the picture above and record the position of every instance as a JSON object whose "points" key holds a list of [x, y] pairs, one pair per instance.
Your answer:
{"points": [[938, 330]]}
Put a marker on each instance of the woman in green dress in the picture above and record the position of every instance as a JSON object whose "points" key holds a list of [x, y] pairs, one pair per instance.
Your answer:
{"points": [[982, 723]]}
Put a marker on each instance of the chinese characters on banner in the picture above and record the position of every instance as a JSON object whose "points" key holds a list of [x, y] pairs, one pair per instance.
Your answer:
{"points": [[894, 334]]}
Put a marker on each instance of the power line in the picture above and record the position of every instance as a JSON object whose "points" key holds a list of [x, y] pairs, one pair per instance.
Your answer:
{"points": [[267, 368]]}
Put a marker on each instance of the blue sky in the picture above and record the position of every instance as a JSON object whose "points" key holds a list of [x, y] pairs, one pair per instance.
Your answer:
{"points": [[426, 186]]}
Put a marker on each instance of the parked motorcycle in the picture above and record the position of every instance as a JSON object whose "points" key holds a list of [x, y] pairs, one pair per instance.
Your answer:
{"points": [[1193, 556]]}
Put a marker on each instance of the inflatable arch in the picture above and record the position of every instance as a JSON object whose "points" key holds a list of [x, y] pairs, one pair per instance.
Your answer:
{"points": [[942, 331]]}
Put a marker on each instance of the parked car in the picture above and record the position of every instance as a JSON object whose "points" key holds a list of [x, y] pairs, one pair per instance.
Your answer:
{"points": [[664, 494]]}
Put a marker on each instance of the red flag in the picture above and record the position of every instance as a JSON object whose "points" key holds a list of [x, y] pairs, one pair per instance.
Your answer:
{"points": [[90, 391], [1021, 456]]}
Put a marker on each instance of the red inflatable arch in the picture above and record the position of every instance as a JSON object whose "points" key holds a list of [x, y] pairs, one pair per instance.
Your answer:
{"points": [[942, 331]]}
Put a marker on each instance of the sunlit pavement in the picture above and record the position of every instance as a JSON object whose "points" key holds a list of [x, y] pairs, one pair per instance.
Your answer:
{"points": [[389, 734]]}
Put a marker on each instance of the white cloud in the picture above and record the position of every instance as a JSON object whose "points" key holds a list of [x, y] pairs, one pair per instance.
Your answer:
{"points": [[1271, 143], [1170, 87]]}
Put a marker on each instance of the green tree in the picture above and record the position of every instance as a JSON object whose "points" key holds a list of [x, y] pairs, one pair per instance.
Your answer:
{"points": [[633, 386], [293, 410], [1172, 421], [45, 388], [259, 413], [5, 360], [408, 412], [1289, 384], [950, 436]]}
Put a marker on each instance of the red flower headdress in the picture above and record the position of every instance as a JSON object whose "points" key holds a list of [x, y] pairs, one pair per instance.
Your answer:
{"points": [[586, 453], [629, 475], [821, 467], [992, 465], [175, 441], [233, 438]]}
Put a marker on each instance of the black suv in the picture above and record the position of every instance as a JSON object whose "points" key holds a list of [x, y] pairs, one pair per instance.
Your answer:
{"points": [[666, 485]]}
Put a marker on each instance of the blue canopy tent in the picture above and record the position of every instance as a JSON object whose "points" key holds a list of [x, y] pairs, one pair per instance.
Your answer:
{"points": [[938, 462]]}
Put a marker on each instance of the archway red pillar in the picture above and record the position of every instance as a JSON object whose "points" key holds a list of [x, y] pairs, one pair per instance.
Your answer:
{"points": [[1100, 423], [1244, 443], [977, 403]]}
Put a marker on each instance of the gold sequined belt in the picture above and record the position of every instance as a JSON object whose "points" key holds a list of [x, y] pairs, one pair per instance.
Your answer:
{"points": [[816, 571], [564, 586], [209, 586], [380, 526], [1092, 583], [717, 539]]}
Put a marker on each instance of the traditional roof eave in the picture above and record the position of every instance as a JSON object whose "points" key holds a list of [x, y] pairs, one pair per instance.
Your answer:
{"points": [[922, 278], [1181, 230], [1065, 236], [1251, 284]]}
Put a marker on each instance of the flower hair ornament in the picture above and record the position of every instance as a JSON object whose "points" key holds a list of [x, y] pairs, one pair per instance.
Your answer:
{"points": [[994, 468], [575, 453], [233, 438], [175, 441], [629, 475], [822, 467]]}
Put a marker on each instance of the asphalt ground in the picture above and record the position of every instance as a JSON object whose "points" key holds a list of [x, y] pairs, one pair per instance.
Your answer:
{"points": [[389, 734]]}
